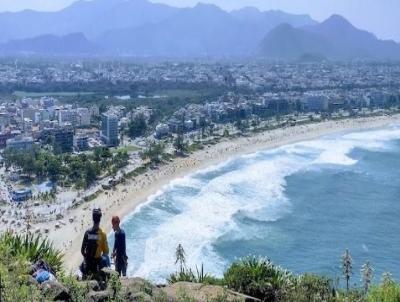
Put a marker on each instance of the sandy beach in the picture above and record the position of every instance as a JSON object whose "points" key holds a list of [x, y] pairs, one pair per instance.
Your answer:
{"points": [[126, 198]]}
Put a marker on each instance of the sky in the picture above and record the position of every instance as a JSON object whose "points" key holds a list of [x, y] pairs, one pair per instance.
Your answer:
{"points": [[381, 17]]}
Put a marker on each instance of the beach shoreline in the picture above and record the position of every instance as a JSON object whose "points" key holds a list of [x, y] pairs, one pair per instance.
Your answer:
{"points": [[127, 198]]}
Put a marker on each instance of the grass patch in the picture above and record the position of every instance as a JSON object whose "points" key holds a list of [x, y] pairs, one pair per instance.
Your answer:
{"points": [[137, 171], [130, 148]]}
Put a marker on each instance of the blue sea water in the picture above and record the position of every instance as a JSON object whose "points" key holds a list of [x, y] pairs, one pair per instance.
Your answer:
{"points": [[301, 205]]}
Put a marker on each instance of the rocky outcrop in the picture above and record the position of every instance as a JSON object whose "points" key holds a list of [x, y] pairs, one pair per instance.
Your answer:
{"points": [[137, 289], [183, 291], [101, 296], [55, 291]]}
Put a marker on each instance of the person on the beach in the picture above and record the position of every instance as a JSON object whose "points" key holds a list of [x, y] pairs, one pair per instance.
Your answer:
{"points": [[94, 247], [119, 251]]}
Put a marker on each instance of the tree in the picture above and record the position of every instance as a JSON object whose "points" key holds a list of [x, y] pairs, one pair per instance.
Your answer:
{"points": [[121, 159], [154, 152], [53, 167], [180, 144], [367, 273], [91, 171], [102, 155], [137, 127], [347, 267], [242, 125]]}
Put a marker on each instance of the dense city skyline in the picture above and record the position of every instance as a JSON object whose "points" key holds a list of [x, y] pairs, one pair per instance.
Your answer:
{"points": [[370, 18]]}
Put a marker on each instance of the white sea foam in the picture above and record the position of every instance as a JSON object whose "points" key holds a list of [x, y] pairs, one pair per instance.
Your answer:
{"points": [[252, 186]]}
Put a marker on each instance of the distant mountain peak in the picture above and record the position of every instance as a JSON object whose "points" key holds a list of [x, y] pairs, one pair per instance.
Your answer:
{"points": [[207, 7], [249, 9], [334, 38], [337, 20]]}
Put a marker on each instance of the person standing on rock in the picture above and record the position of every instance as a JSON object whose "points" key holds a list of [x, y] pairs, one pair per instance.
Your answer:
{"points": [[95, 247], [119, 251]]}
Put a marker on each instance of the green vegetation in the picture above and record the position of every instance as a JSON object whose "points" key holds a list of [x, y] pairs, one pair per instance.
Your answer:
{"points": [[253, 276], [388, 291], [155, 153], [260, 278], [17, 255], [186, 274], [137, 127], [31, 248], [16, 283], [25, 94], [80, 170], [180, 145], [178, 93], [13, 284], [127, 149], [347, 266]]}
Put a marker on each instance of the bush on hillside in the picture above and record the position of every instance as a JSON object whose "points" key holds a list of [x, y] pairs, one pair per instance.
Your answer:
{"points": [[259, 278], [187, 275], [32, 248], [15, 284], [310, 287], [387, 291]]}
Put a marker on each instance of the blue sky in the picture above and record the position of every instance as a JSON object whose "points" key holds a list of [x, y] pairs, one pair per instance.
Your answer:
{"points": [[382, 17]]}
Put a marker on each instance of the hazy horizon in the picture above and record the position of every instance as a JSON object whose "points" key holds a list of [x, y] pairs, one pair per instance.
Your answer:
{"points": [[370, 18]]}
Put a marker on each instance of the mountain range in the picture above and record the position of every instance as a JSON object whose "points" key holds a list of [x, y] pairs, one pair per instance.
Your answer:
{"points": [[334, 38], [67, 45], [146, 29]]}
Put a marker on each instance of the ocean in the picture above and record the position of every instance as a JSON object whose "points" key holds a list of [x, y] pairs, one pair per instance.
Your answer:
{"points": [[300, 205]]}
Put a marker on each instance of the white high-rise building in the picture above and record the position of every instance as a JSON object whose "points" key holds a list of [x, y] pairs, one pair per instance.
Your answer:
{"points": [[109, 129]]}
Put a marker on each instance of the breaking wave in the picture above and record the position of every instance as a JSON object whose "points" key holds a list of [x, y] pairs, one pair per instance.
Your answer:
{"points": [[213, 204]]}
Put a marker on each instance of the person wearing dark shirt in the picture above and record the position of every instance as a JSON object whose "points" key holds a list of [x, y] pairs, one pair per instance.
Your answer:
{"points": [[94, 247], [119, 251]]}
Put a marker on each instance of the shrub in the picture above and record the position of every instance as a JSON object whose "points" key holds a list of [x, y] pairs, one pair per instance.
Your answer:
{"points": [[14, 283], [353, 295], [311, 287], [387, 291], [32, 248], [260, 278], [187, 275], [76, 289], [181, 276]]}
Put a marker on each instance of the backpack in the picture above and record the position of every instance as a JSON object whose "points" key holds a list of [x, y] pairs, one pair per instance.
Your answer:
{"points": [[91, 243]]}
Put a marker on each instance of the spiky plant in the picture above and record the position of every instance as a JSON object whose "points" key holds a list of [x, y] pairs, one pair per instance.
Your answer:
{"points": [[347, 267], [186, 275], [367, 273], [33, 248], [180, 257], [387, 279]]}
